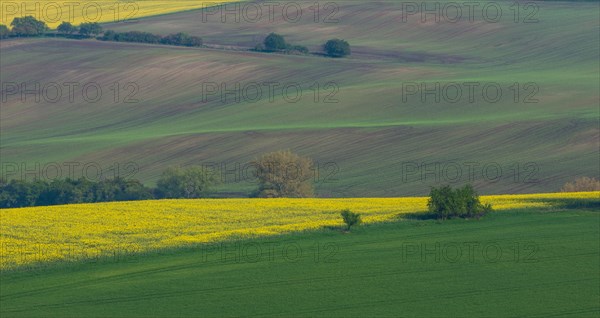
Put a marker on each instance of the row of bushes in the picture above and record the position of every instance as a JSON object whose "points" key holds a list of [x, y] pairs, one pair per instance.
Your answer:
{"points": [[275, 180], [17, 193], [276, 43], [179, 39], [84, 29], [174, 183], [30, 26]]}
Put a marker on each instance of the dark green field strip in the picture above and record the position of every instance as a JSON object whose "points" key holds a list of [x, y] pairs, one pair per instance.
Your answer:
{"points": [[368, 276]]}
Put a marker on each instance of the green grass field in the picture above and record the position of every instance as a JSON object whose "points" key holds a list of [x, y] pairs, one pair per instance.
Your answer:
{"points": [[523, 263], [369, 133]]}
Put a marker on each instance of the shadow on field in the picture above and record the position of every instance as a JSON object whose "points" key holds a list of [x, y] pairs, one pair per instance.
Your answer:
{"points": [[577, 203], [418, 216]]}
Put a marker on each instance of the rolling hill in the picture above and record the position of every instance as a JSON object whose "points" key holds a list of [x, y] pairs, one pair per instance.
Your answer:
{"points": [[366, 130]]}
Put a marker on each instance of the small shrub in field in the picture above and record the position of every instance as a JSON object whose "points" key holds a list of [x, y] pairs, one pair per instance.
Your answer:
{"points": [[350, 218], [581, 185], [446, 202]]}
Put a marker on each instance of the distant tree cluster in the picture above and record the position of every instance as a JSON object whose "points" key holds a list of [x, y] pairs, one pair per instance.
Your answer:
{"points": [[276, 43], [131, 36], [192, 182], [66, 28], [86, 29], [29, 26], [182, 39], [179, 39], [280, 174], [17, 193], [90, 29]]}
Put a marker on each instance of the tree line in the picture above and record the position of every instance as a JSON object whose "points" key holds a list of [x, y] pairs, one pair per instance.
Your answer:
{"points": [[173, 183], [29, 26], [178, 39], [274, 180]]}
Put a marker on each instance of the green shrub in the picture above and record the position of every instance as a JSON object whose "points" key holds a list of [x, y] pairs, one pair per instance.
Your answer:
{"points": [[274, 42], [4, 31], [28, 26], [66, 28], [337, 48], [446, 202], [90, 28], [192, 182], [350, 218]]}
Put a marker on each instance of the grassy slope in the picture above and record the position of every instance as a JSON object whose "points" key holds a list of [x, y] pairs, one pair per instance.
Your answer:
{"points": [[369, 133], [368, 276]]}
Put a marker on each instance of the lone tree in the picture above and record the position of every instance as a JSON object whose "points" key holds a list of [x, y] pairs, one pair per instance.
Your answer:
{"points": [[192, 182], [66, 28], [337, 48], [28, 26], [350, 218], [90, 28], [4, 32], [274, 42], [284, 174]]}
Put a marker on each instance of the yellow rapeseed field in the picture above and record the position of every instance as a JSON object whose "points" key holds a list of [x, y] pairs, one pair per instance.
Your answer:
{"points": [[53, 12], [79, 231]]}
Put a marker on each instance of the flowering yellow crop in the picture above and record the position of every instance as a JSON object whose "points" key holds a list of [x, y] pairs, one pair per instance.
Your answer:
{"points": [[53, 12], [67, 232]]}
